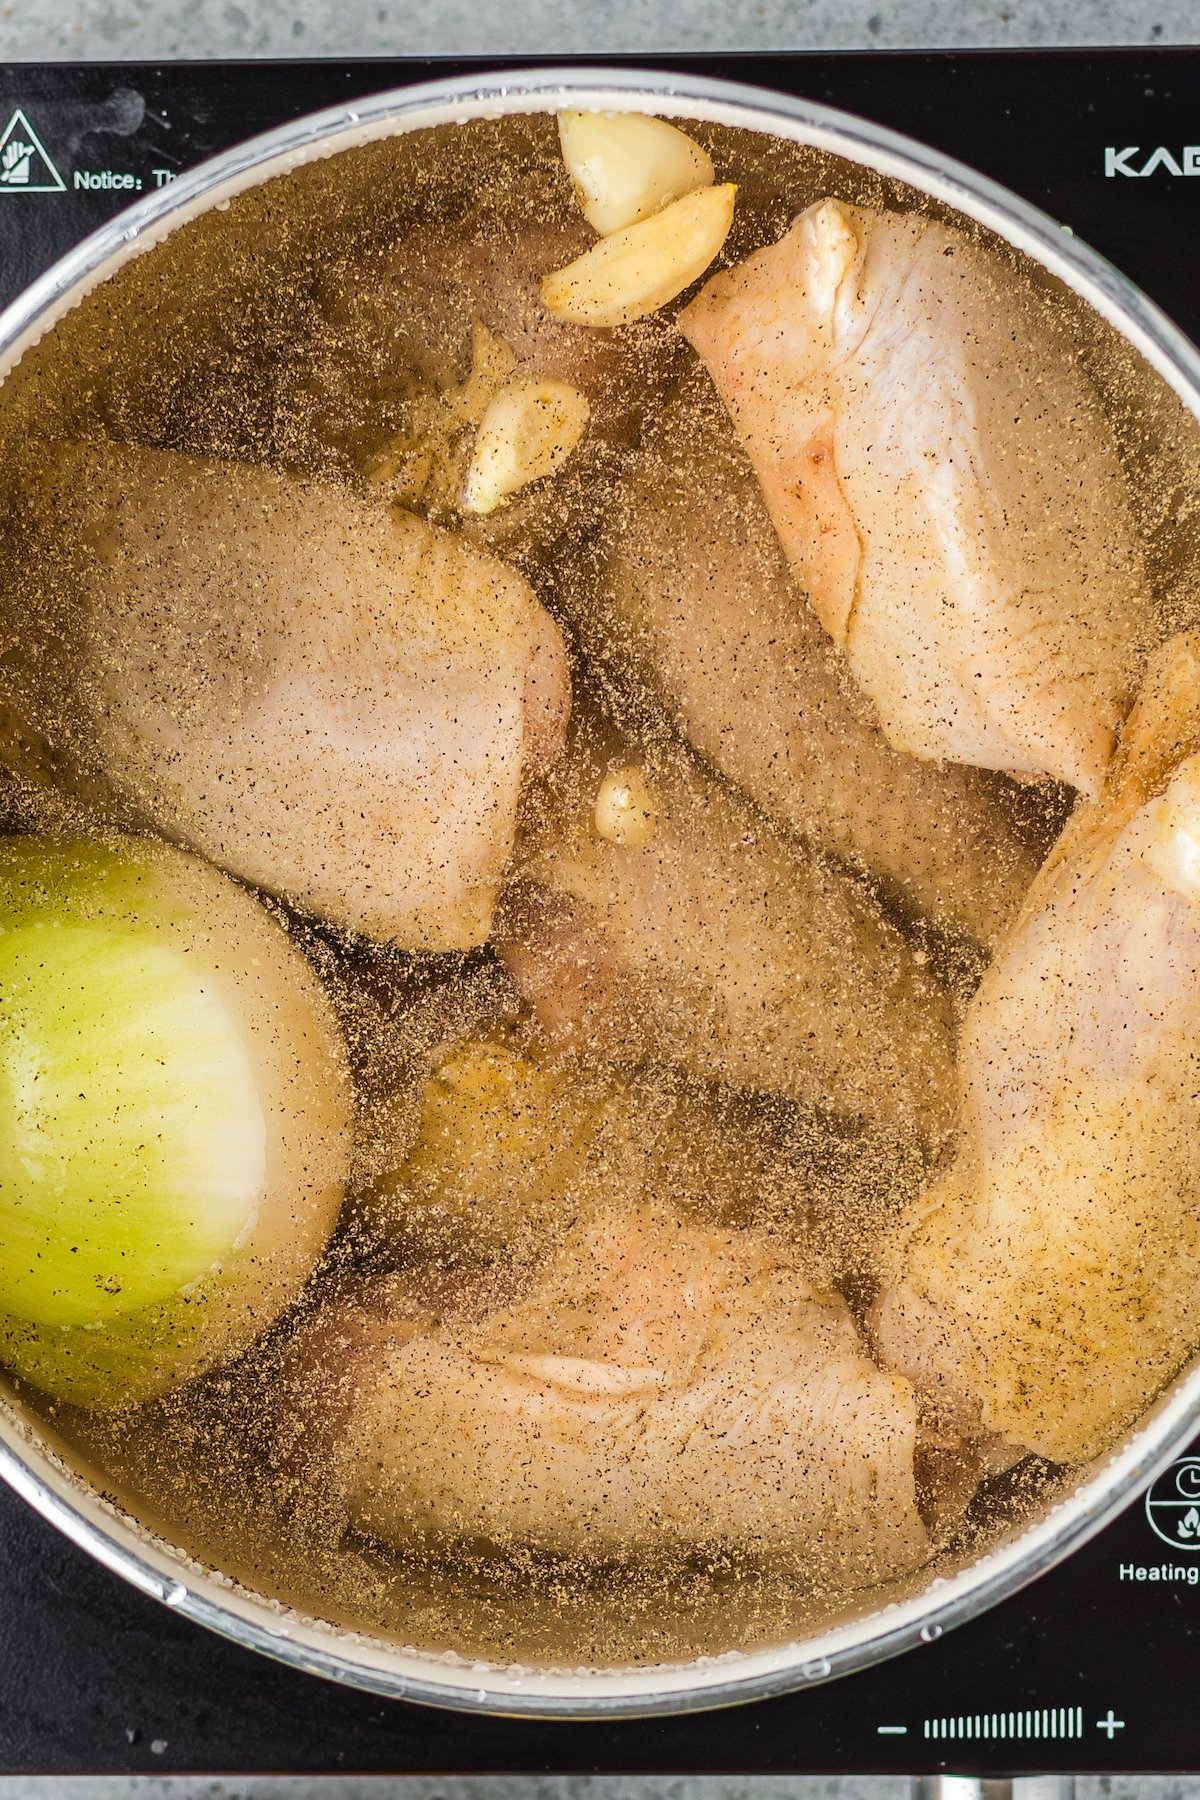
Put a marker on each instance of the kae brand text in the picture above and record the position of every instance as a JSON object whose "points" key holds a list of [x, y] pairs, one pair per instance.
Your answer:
{"points": [[1138, 161]]}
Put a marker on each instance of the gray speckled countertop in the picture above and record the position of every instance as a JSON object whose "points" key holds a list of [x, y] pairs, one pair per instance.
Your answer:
{"points": [[516, 1787], [151, 29]]}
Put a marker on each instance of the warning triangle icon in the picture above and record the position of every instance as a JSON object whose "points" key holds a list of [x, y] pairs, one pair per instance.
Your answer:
{"points": [[25, 168]]}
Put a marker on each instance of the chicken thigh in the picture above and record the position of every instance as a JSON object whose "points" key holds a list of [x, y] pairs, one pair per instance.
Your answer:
{"points": [[691, 600], [716, 944], [658, 1384], [331, 699], [1049, 1282], [944, 484]]}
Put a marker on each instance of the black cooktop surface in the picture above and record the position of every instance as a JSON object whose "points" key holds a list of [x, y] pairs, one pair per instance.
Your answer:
{"points": [[1094, 1667]]}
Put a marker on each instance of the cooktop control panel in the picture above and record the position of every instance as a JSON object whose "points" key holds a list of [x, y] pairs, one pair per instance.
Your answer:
{"points": [[1093, 1667]]}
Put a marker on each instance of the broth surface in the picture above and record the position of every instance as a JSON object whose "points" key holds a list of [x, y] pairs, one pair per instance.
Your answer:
{"points": [[313, 328]]}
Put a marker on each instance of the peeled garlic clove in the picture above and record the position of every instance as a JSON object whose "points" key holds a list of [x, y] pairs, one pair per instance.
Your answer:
{"points": [[528, 431], [626, 809], [627, 166], [637, 270]]}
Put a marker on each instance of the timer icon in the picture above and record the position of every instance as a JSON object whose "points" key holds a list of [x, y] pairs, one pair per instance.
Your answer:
{"points": [[1173, 1505]]}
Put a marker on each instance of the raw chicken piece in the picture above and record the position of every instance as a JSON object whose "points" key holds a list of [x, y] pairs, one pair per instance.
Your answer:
{"points": [[692, 599], [1049, 1283], [720, 946], [658, 1384], [332, 700], [943, 482], [508, 1137], [438, 282], [413, 313]]}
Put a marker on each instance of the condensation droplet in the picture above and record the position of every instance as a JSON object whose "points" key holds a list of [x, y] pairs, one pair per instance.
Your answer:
{"points": [[930, 1634]]}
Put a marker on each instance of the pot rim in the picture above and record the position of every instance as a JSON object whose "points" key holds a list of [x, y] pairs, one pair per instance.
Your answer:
{"points": [[148, 1562]]}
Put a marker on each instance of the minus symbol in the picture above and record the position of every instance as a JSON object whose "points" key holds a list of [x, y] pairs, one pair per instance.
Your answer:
{"points": [[892, 1730]]}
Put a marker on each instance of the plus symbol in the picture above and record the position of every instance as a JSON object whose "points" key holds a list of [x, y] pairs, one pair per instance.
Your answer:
{"points": [[1111, 1725]]}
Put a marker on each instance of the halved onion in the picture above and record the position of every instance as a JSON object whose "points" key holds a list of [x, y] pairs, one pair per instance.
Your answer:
{"points": [[174, 1117]]}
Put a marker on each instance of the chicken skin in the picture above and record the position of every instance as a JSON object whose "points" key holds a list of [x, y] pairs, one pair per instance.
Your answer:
{"points": [[658, 1384], [691, 600], [944, 485], [329, 698], [719, 946], [1046, 1286]]}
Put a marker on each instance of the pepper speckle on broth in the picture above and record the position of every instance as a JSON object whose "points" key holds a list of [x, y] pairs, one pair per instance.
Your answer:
{"points": [[606, 689]]}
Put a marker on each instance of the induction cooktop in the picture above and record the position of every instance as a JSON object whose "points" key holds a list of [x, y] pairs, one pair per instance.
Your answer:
{"points": [[1095, 1666]]}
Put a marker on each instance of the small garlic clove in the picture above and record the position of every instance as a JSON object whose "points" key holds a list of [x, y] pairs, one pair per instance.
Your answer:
{"points": [[637, 270], [626, 809], [528, 431], [627, 166]]}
